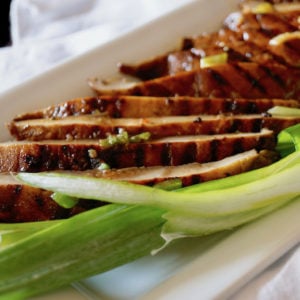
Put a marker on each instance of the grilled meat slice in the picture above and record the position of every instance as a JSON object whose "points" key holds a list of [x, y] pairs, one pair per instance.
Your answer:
{"points": [[191, 173], [185, 59], [144, 107], [236, 80], [264, 26], [23, 203], [245, 37], [258, 38], [93, 128], [237, 46], [83, 155], [229, 42], [179, 61], [290, 50], [150, 69]]}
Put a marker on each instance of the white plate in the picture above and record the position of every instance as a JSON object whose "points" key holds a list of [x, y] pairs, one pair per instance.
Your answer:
{"points": [[193, 268]]}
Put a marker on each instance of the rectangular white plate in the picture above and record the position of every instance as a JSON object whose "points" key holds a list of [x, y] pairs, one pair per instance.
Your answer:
{"points": [[193, 268]]}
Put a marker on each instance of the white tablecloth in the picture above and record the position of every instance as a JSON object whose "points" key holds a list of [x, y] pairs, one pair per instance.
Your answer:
{"points": [[45, 33]]}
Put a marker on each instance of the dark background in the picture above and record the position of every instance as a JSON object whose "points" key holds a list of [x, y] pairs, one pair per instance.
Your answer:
{"points": [[4, 24]]}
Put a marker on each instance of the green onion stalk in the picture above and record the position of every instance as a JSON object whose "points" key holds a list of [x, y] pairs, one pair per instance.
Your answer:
{"points": [[53, 255]]}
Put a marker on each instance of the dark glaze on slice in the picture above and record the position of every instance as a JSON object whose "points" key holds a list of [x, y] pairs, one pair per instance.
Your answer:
{"points": [[83, 155], [189, 173], [144, 107], [74, 128], [244, 37], [235, 80], [23, 203]]}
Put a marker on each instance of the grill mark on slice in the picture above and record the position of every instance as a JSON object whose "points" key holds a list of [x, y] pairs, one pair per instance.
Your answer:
{"points": [[161, 106], [253, 82], [166, 156], [190, 153], [247, 48], [257, 125], [82, 155], [214, 150], [238, 145], [168, 126], [268, 78], [274, 76], [140, 157]]}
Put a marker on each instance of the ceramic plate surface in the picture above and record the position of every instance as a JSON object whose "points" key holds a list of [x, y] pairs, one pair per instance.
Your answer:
{"points": [[200, 268]]}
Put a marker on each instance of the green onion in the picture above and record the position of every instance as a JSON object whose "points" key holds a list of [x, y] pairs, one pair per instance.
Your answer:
{"points": [[64, 200], [12, 233], [169, 185], [289, 140], [263, 8], [103, 166], [123, 138], [284, 111], [141, 137], [213, 60], [187, 225], [84, 245], [284, 37]]}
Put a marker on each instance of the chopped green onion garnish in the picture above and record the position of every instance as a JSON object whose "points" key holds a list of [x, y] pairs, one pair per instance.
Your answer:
{"points": [[141, 137], [64, 200], [284, 111], [123, 138], [284, 37], [103, 166], [213, 60], [169, 185], [263, 8]]}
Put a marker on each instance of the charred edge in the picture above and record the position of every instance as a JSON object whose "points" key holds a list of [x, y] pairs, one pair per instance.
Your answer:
{"points": [[235, 126], [230, 106], [166, 154], [252, 107], [257, 124], [238, 145], [234, 106], [140, 157], [235, 56], [18, 189], [190, 153], [194, 179], [32, 163], [187, 43], [267, 143], [39, 201], [101, 104], [149, 70]]}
